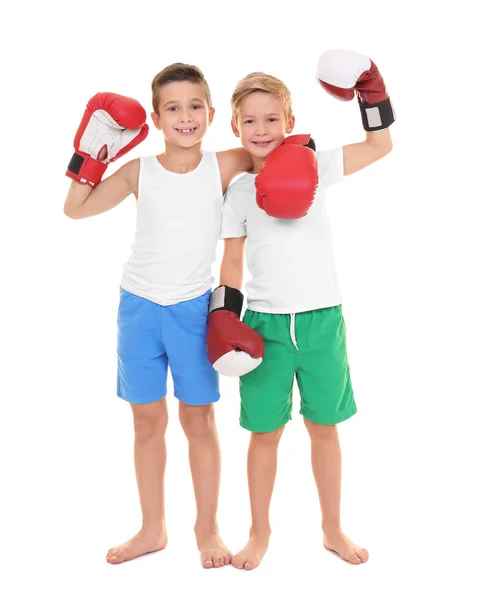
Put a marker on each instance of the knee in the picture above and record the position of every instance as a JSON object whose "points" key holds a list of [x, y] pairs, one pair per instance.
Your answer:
{"points": [[270, 438], [148, 425], [321, 432], [197, 421]]}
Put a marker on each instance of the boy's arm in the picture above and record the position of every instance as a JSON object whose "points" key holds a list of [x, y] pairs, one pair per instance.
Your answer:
{"points": [[231, 163], [82, 201], [232, 266], [347, 75], [233, 348], [376, 145]]}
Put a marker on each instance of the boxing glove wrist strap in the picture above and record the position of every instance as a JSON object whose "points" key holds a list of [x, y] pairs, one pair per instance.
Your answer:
{"points": [[226, 298], [377, 116], [85, 169]]}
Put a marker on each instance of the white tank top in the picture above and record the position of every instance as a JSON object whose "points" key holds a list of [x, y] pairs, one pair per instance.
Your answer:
{"points": [[177, 229]]}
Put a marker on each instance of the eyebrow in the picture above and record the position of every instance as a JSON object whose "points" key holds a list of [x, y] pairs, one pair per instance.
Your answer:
{"points": [[267, 115], [191, 100]]}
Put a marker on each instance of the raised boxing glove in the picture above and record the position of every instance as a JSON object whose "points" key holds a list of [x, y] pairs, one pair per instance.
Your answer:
{"points": [[110, 127], [233, 348], [343, 73], [288, 179]]}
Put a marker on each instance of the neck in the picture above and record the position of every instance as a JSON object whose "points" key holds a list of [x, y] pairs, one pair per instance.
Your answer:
{"points": [[257, 164], [180, 160]]}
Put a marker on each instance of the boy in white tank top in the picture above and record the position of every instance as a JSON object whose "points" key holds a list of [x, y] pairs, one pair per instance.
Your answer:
{"points": [[166, 284]]}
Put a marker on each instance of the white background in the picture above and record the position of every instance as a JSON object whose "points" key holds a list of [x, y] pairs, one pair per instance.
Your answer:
{"points": [[405, 243]]}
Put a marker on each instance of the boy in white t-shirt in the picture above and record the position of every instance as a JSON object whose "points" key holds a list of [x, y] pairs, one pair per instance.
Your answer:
{"points": [[293, 299], [166, 284]]}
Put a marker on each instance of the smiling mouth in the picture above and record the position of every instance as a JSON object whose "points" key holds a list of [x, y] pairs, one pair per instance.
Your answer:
{"points": [[262, 143], [186, 130]]}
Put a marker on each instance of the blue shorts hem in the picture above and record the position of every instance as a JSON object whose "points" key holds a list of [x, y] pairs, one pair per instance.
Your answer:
{"points": [[196, 403], [147, 400]]}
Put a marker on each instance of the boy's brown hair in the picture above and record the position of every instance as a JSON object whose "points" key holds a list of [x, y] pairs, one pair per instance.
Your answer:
{"points": [[178, 72], [261, 82]]}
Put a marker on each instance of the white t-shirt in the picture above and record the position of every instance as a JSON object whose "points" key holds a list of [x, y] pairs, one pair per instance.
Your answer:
{"points": [[291, 261], [177, 228]]}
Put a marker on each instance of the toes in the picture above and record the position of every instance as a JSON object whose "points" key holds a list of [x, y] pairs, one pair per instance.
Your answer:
{"points": [[114, 558], [207, 562], [218, 561], [362, 554], [249, 565], [237, 562]]}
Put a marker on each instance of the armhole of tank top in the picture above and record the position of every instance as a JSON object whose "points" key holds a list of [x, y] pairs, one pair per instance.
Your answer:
{"points": [[217, 170], [143, 165], [140, 171]]}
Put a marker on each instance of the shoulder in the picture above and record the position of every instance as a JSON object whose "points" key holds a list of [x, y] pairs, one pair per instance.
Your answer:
{"points": [[241, 195], [330, 164], [242, 186]]}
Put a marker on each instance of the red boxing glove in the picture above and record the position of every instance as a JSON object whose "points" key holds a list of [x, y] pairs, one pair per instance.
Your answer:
{"points": [[288, 179], [233, 348], [111, 126], [343, 73]]}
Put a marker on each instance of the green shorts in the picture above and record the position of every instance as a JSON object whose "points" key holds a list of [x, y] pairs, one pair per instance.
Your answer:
{"points": [[310, 345]]}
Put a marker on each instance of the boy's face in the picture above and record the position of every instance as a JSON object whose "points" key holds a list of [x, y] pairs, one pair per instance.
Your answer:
{"points": [[184, 114], [261, 123]]}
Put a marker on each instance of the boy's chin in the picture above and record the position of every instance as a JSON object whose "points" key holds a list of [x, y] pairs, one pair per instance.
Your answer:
{"points": [[186, 143]]}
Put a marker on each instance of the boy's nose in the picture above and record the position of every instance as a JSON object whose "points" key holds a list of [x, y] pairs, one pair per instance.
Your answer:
{"points": [[185, 116]]}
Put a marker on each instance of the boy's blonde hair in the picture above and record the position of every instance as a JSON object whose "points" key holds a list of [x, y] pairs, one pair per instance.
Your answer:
{"points": [[178, 72], [261, 82]]}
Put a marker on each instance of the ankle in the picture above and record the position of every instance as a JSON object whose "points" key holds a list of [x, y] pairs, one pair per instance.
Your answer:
{"points": [[331, 527], [206, 527], [260, 532], [154, 529]]}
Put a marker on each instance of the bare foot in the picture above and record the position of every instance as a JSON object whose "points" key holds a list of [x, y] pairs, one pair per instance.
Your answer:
{"points": [[251, 555], [142, 543], [336, 541], [214, 552]]}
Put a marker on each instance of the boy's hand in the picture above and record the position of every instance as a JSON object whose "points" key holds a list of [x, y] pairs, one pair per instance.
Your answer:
{"points": [[286, 183], [343, 73], [233, 348], [111, 126]]}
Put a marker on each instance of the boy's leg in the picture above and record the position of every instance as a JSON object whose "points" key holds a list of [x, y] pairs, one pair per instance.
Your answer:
{"points": [[266, 405], [199, 426], [261, 473], [327, 398], [150, 421], [327, 469], [142, 370], [196, 386]]}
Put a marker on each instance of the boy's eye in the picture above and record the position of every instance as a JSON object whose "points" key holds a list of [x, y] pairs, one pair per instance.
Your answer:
{"points": [[197, 106], [248, 122], [272, 119], [171, 108]]}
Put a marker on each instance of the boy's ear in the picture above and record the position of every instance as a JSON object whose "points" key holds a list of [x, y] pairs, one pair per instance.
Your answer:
{"points": [[156, 120], [212, 112], [290, 124], [235, 129]]}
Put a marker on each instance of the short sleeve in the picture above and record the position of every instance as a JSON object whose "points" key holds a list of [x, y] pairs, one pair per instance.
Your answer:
{"points": [[231, 225], [331, 166]]}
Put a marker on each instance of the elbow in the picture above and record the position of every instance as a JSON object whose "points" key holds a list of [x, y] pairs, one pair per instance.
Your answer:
{"points": [[70, 215], [388, 147], [385, 149]]}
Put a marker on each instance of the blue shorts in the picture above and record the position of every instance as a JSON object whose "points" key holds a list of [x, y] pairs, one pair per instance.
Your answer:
{"points": [[150, 337]]}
